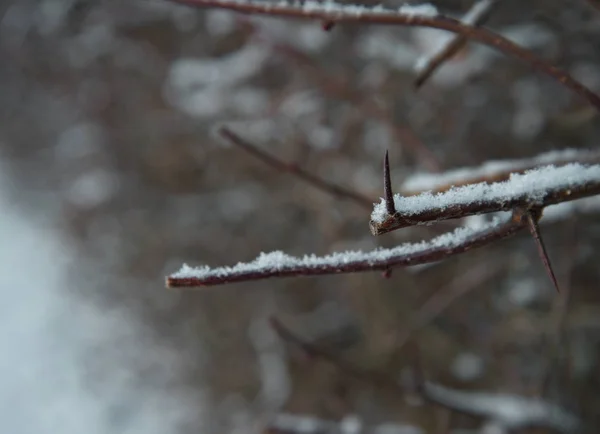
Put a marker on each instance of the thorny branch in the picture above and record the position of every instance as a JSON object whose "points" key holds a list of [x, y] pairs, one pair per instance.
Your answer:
{"points": [[481, 198], [278, 264], [337, 13]]}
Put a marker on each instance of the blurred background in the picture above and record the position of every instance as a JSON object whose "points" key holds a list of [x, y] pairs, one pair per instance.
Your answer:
{"points": [[112, 177]]}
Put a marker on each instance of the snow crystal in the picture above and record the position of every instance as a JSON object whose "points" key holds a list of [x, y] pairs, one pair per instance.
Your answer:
{"points": [[280, 261], [533, 184]]}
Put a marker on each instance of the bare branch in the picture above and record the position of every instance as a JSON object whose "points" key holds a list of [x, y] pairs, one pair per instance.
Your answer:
{"points": [[537, 188], [278, 264], [337, 13], [476, 16], [292, 168]]}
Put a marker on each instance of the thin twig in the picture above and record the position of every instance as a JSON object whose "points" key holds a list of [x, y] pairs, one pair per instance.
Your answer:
{"points": [[292, 168], [278, 264], [352, 14], [476, 16]]}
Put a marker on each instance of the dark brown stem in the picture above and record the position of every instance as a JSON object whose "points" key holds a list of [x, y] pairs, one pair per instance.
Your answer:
{"points": [[305, 176], [478, 34]]}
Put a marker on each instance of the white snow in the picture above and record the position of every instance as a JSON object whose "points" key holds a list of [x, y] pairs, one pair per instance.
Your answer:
{"points": [[424, 9], [533, 185], [280, 261], [428, 181]]}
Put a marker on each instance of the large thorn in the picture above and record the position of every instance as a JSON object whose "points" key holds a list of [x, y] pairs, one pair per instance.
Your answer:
{"points": [[387, 186], [532, 223]]}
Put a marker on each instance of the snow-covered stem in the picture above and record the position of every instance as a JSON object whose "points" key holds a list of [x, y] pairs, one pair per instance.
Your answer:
{"points": [[494, 171], [293, 168], [536, 188], [476, 16], [331, 12], [279, 264]]}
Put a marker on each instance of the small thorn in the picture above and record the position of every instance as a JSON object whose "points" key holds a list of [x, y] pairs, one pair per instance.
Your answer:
{"points": [[387, 186], [534, 228]]}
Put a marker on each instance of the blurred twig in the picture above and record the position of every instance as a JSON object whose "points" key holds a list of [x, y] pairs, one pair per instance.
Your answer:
{"points": [[338, 13], [292, 168], [476, 16]]}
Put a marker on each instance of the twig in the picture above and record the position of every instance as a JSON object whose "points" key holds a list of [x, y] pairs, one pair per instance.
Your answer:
{"points": [[476, 16], [292, 168], [337, 13], [278, 264], [538, 188]]}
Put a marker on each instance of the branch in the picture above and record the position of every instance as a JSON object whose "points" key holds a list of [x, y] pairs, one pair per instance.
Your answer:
{"points": [[494, 170], [279, 264], [476, 16], [406, 16], [292, 168], [535, 188]]}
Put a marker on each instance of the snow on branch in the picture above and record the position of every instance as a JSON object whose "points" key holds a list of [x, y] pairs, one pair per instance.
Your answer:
{"points": [[494, 170], [279, 264], [536, 188], [417, 16]]}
